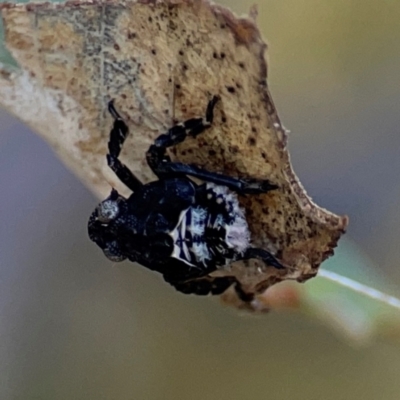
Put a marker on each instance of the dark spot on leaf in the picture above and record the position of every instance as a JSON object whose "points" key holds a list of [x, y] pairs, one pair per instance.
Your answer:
{"points": [[222, 55], [231, 89], [153, 51], [223, 119], [252, 141], [172, 25], [116, 47], [215, 55], [177, 86], [241, 65], [180, 52]]}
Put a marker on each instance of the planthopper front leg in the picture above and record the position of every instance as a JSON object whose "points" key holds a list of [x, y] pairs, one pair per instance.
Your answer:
{"points": [[162, 166], [118, 134]]}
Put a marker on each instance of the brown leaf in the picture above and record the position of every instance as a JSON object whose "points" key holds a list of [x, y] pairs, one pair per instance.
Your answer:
{"points": [[162, 61]]}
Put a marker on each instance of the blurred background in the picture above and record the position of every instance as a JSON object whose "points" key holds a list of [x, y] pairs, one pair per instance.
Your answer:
{"points": [[73, 327]]}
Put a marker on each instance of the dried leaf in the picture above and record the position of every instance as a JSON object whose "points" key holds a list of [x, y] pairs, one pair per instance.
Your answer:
{"points": [[162, 61]]}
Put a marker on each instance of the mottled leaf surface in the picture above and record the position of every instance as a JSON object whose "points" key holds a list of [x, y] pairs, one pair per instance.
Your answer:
{"points": [[162, 61]]}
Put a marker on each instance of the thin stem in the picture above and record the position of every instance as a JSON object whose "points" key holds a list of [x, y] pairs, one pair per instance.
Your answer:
{"points": [[360, 288]]}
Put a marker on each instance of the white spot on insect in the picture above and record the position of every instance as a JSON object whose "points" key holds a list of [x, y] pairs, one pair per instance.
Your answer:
{"points": [[181, 251], [107, 211], [238, 235], [199, 216], [237, 232], [201, 251], [194, 245]]}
